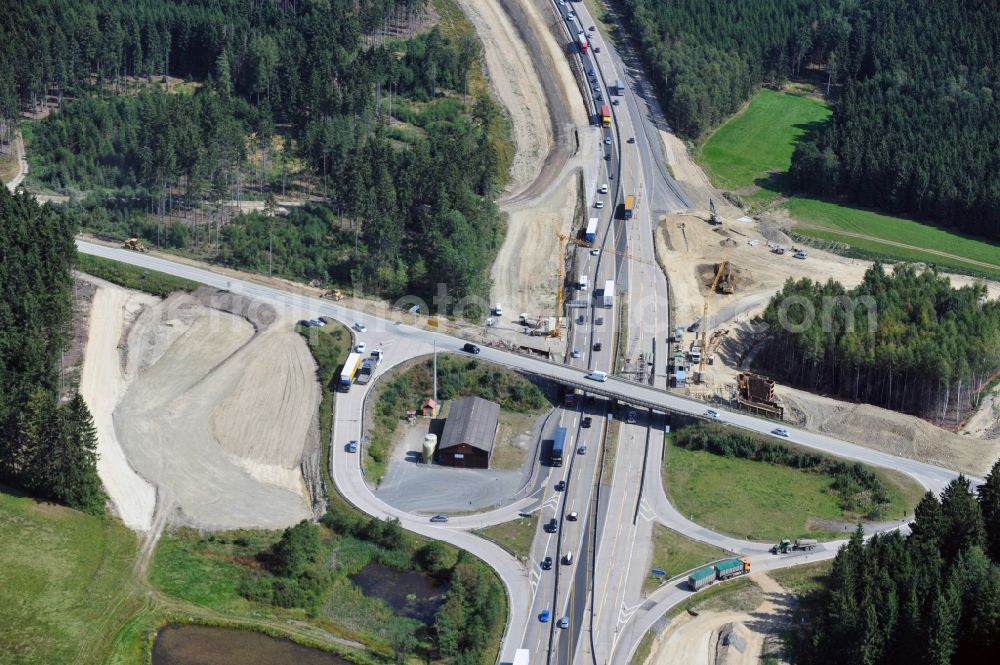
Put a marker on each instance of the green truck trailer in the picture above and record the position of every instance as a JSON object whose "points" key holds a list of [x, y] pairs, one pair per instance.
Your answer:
{"points": [[723, 570]]}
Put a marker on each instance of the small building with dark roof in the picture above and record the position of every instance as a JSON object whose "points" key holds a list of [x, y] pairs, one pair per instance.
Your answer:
{"points": [[469, 433]]}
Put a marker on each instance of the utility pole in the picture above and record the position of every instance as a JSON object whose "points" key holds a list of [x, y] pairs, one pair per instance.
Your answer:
{"points": [[435, 371]]}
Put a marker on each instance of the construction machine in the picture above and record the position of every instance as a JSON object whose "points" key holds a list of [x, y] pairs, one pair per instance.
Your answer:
{"points": [[135, 245], [560, 288], [704, 322], [714, 218], [333, 294]]}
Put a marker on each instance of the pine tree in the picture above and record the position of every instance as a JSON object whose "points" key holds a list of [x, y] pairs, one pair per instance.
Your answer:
{"points": [[33, 455], [77, 466], [989, 504], [942, 628], [928, 525], [963, 519]]}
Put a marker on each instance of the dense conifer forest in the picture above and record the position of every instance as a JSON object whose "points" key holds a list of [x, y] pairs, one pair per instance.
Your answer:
{"points": [[914, 87], [904, 340], [268, 84], [46, 447], [928, 599]]}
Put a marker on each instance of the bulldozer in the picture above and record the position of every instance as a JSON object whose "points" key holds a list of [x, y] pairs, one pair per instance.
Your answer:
{"points": [[333, 294], [135, 245]]}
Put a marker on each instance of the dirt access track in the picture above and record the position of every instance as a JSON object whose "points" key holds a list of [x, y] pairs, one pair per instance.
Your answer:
{"points": [[208, 399]]}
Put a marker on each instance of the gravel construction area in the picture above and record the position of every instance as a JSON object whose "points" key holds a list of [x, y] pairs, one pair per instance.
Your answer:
{"points": [[215, 407], [698, 640]]}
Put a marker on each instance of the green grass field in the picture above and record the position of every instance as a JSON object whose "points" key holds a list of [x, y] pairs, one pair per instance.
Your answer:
{"points": [[675, 554], [67, 583], [514, 536], [760, 140], [133, 277], [828, 221], [760, 501], [739, 595], [804, 579]]}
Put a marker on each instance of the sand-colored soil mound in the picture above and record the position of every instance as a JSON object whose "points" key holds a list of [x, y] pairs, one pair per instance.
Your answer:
{"points": [[216, 409]]}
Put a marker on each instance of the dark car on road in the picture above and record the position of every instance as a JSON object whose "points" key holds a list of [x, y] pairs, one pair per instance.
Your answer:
{"points": [[470, 348], [547, 563], [561, 486], [439, 518], [587, 421], [552, 526]]}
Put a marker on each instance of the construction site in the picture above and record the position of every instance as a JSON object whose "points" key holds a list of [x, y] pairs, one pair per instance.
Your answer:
{"points": [[205, 406], [723, 274]]}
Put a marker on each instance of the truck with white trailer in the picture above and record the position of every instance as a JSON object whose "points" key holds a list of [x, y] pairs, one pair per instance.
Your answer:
{"points": [[609, 293]]}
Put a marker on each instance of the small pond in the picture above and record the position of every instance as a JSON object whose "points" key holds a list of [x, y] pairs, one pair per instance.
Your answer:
{"points": [[409, 593], [191, 644]]}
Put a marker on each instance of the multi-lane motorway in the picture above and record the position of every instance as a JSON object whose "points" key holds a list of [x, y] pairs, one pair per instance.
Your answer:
{"points": [[612, 596]]}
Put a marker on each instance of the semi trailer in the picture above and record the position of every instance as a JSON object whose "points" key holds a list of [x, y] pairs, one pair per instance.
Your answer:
{"points": [[722, 570]]}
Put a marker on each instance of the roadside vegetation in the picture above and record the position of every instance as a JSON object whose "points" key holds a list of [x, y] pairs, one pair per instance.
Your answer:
{"points": [[749, 486], [932, 597], [514, 536], [644, 649], [804, 579], [458, 376], [913, 343], [133, 277], [865, 230], [675, 553], [740, 595]]}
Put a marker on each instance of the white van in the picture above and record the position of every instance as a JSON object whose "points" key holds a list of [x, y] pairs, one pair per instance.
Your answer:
{"points": [[584, 282], [597, 376], [498, 310]]}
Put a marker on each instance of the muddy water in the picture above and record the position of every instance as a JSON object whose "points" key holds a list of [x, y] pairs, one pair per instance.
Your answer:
{"points": [[206, 645], [408, 593]]}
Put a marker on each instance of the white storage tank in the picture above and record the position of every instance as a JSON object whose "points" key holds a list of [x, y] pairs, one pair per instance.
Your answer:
{"points": [[430, 445]]}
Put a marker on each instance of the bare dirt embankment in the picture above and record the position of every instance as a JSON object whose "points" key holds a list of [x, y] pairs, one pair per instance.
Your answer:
{"points": [[210, 399], [723, 637], [530, 75], [102, 385]]}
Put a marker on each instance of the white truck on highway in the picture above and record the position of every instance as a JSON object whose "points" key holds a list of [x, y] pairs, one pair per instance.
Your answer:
{"points": [[609, 293], [522, 657]]}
